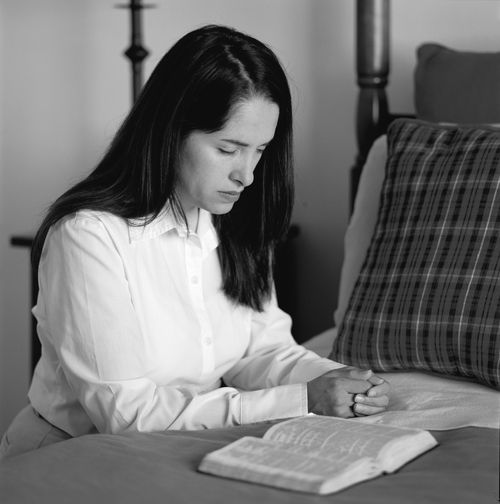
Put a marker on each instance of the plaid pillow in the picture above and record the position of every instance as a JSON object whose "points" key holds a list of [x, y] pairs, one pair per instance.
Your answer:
{"points": [[428, 295]]}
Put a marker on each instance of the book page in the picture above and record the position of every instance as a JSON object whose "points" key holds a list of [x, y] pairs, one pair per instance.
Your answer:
{"points": [[262, 461], [402, 450], [259, 452], [335, 438]]}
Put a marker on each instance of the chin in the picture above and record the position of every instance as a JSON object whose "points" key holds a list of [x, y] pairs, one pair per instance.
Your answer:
{"points": [[220, 209]]}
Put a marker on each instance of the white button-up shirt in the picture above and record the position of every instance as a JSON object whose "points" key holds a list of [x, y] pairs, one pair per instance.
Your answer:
{"points": [[137, 334]]}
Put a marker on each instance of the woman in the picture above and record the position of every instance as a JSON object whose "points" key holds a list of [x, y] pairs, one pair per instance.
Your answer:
{"points": [[156, 307]]}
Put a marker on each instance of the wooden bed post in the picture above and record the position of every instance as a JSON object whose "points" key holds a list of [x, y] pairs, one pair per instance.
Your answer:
{"points": [[372, 69]]}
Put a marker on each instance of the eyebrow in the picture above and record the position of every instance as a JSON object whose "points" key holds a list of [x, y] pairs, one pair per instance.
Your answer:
{"points": [[241, 144]]}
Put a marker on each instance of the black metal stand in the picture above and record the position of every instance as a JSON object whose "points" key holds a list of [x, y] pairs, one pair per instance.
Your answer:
{"points": [[136, 53]]}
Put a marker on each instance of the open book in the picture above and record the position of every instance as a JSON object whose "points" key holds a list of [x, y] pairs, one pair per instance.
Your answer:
{"points": [[318, 454]]}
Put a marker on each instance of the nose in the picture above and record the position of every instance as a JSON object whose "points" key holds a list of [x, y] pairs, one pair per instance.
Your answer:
{"points": [[242, 172]]}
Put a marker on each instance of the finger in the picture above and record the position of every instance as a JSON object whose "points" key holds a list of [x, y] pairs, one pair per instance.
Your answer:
{"points": [[366, 410], [381, 401], [344, 412], [376, 380], [379, 390]]}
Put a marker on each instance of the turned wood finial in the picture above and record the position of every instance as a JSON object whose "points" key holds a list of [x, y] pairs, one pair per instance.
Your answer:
{"points": [[372, 70]]}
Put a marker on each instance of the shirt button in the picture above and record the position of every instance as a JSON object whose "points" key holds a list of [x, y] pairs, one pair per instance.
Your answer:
{"points": [[194, 279], [207, 341]]}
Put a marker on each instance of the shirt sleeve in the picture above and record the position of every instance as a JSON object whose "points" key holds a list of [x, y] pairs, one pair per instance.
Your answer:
{"points": [[102, 352], [275, 364]]}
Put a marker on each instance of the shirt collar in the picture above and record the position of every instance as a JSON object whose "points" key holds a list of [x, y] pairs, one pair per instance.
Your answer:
{"points": [[166, 221]]}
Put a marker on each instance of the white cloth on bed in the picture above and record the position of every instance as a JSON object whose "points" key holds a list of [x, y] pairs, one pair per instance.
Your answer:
{"points": [[428, 401], [137, 334]]}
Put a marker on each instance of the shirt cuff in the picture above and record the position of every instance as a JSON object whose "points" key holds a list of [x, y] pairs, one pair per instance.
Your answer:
{"points": [[311, 366], [284, 401]]}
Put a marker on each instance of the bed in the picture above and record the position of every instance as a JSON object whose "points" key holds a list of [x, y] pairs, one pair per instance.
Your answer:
{"points": [[450, 390]]}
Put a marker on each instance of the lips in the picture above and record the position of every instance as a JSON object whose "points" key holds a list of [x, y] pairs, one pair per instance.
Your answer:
{"points": [[230, 196]]}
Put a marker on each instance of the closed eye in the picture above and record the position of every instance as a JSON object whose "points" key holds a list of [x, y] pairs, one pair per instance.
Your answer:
{"points": [[227, 152]]}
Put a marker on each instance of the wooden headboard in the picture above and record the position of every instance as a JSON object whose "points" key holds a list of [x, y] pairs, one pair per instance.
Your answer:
{"points": [[372, 71]]}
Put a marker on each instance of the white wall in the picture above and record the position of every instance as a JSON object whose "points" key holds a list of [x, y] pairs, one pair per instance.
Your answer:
{"points": [[471, 25], [64, 88], [3, 340]]}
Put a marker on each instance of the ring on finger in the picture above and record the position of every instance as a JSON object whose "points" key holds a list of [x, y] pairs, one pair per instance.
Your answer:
{"points": [[353, 405]]}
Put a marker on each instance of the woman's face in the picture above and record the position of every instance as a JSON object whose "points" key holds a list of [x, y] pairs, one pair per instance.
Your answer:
{"points": [[216, 167]]}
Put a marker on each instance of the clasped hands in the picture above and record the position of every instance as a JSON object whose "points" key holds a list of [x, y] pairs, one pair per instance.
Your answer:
{"points": [[347, 392]]}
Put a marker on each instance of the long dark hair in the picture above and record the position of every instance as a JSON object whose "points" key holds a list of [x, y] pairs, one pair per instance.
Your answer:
{"points": [[195, 87]]}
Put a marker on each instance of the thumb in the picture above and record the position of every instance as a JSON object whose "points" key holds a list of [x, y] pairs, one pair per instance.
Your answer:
{"points": [[360, 374], [358, 386]]}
